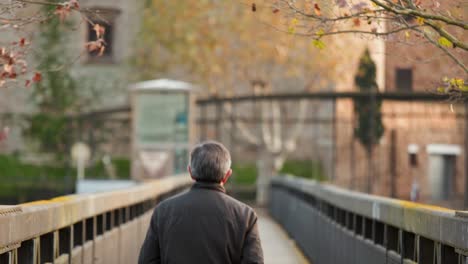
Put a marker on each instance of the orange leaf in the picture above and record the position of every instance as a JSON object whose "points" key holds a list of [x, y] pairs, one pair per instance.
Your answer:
{"points": [[62, 12], [317, 9], [356, 22], [22, 42], [27, 83], [254, 7], [94, 45], [100, 30], [37, 77], [101, 51], [276, 10]]}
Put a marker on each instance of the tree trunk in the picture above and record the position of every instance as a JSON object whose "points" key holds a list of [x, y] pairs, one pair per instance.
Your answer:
{"points": [[267, 167], [370, 170]]}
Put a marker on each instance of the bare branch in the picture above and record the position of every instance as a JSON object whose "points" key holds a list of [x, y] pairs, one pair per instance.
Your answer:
{"points": [[401, 10]]}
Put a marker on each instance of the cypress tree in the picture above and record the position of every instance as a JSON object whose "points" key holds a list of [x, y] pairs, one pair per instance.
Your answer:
{"points": [[369, 127]]}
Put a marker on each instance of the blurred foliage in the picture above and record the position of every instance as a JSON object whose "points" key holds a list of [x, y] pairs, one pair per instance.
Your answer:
{"points": [[224, 46], [243, 174], [304, 168], [369, 128], [56, 95], [12, 167], [246, 173], [98, 171], [21, 182]]}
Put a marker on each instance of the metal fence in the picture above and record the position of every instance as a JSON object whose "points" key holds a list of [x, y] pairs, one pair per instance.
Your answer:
{"points": [[333, 225], [94, 228]]}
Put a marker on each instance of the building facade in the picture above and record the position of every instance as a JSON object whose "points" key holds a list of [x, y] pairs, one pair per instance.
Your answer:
{"points": [[421, 154]]}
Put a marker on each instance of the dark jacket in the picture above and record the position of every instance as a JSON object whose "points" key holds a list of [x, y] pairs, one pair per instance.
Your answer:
{"points": [[202, 226]]}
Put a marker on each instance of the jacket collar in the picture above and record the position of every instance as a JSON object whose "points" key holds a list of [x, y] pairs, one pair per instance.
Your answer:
{"points": [[209, 185]]}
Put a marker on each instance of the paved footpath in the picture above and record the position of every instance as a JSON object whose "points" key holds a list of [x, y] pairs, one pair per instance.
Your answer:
{"points": [[278, 248]]}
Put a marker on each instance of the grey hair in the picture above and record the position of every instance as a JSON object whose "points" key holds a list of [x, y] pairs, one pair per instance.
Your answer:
{"points": [[210, 161]]}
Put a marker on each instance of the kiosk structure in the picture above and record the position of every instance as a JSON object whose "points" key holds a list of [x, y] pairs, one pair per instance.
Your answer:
{"points": [[161, 128]]}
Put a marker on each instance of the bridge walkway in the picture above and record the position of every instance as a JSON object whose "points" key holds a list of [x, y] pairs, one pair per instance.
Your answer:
{"points": [[278, 248]]}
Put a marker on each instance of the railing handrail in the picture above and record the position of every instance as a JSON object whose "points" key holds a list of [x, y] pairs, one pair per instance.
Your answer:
{"points": [[329, 95], [25, 221], [441, 224]]}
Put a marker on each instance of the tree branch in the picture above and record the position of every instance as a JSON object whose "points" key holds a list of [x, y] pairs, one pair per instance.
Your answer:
{"points": [[447, 35], [445, 50], [401, 10]]}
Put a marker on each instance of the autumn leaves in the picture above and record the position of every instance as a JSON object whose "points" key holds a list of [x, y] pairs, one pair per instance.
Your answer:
{"points": [[14, 54]]}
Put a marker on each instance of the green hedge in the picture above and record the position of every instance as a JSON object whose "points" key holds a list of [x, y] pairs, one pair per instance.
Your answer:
{"points": [[304, 168], [246, 173], [20, 182], [122, 169], [10, 166], [243, 174]]}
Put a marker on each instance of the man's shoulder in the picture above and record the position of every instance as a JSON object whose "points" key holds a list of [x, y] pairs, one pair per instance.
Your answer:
{"points": [[243, 207], [173, 200]]}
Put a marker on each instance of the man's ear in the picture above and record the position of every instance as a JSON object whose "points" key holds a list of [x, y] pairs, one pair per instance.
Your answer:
{"points": [[190, 172], [226, 177]]}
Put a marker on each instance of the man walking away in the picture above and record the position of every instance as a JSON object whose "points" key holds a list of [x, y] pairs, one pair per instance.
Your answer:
{"points": [[203, 225]]}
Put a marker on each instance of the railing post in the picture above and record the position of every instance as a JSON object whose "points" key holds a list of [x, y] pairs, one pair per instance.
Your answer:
{"points": [[202, 122], [218, 120], [232, 126], [466, 155], [334, 145], [393, 161]]}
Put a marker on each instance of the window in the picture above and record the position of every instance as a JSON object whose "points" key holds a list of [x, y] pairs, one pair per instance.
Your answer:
{"points": [[105, 18], [404, 80], [108, 38]]}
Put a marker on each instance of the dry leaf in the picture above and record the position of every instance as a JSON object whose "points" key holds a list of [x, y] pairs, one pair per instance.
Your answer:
{"points": [[37, 77], [101, 51], [100, 30], [317, 10], [62, 12], [356, 22], [4, 132]]}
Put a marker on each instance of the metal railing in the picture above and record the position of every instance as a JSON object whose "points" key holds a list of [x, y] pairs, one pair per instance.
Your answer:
{"points": [[333, 225], [90, 228]]}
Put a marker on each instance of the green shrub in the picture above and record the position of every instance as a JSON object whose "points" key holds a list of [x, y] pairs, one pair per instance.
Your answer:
{"points": [[20, 182], [246, 173], [12, 167], [243, 174], [304, 168], [121, 165]]}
